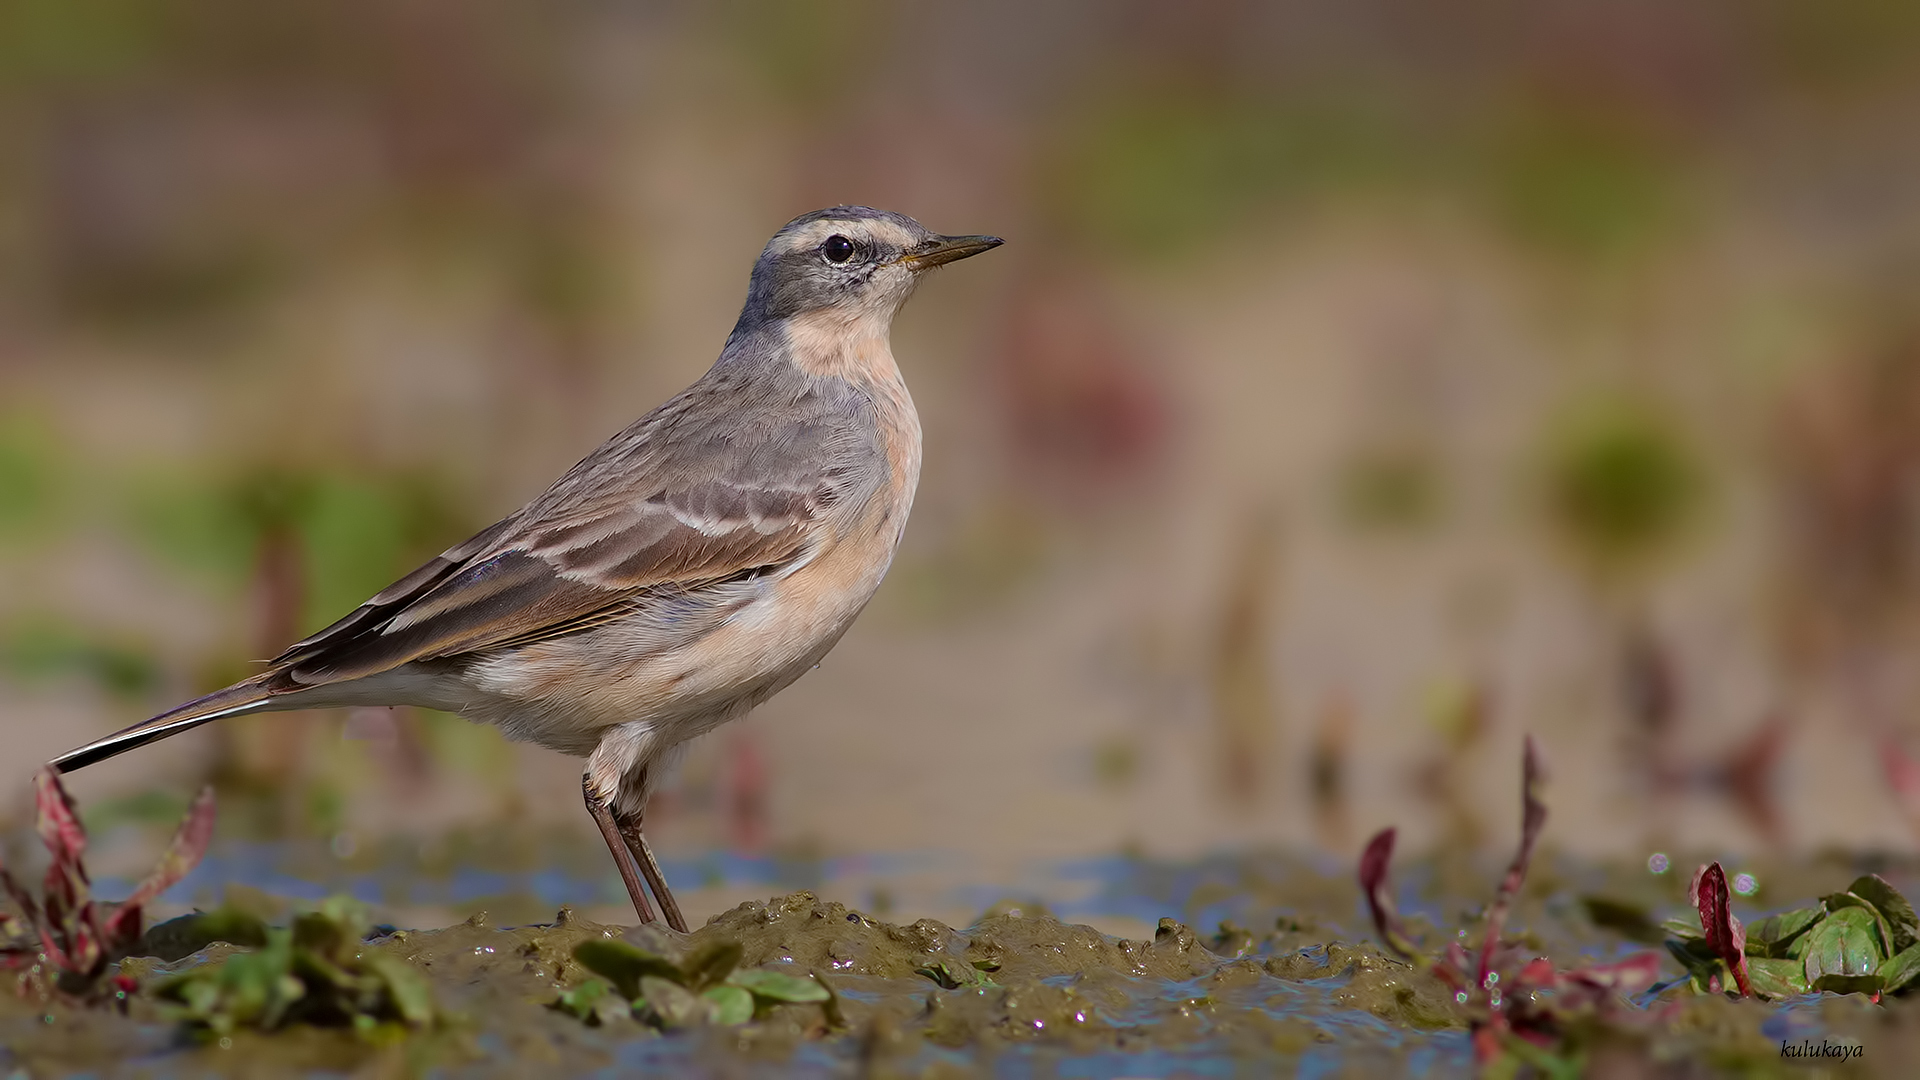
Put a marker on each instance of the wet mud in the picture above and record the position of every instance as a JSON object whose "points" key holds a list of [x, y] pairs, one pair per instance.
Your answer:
{"points": [[1272, 973]]}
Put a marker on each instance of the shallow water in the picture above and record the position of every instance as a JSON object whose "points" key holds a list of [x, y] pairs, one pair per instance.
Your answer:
{"points": [[1234, 965]]}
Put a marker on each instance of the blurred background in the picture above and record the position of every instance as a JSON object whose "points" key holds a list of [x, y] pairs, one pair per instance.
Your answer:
{"points": [[1361, 386]]}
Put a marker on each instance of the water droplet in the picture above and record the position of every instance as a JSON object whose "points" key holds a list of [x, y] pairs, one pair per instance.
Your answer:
{"points": [[226, 1043], [1658, 862], [1745, 885]]}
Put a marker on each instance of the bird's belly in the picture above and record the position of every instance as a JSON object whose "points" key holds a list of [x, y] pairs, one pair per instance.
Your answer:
{"points": [[564, 694]]}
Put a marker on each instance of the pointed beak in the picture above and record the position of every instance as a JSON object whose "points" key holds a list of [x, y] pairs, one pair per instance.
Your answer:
{"points": [[940, 250]]}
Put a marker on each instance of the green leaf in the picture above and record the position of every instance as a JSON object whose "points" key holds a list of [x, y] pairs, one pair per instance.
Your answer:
{"points": [[673, 1004], [1904, 924], [1772, 935], [320, 972], [1843, 945], [1627, 919], [1847, 901], [1694, 955], [778, 986], [580, 1001], [710, 964], [1545, 1062], [312, 972], [333, 932], [177, 939], [1848, 984], [954, 975], [625, 965], [255, 989], [408, 992], [830, 1008], [732, 1005], [1776, 978], [1685, 929], [1899, 971]]}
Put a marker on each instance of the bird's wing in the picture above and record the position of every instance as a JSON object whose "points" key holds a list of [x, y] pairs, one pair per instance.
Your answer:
{"points": [[668, 506]]}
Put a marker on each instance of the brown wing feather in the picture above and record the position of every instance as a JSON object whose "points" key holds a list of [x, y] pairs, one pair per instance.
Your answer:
{"points": [[656, 513], [391, 599], [516, 597]]}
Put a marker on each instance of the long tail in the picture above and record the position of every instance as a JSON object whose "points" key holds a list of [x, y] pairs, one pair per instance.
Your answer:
{"points": [[236, 700]]}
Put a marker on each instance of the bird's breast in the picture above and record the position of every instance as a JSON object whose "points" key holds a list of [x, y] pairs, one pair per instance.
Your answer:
{"points": [[800, 614]]}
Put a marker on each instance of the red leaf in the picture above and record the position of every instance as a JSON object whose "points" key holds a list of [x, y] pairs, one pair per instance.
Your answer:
{"points": [[66, 895], [1486, 1044], [84, 954], [1373, 882], [188, 846], [1452, 969], [1538, 973], [57, 821], [1635, 973], [1373, 862], [1544, 1038], [1724, 934]]}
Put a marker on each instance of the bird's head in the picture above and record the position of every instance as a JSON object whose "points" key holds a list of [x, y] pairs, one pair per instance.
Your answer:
{"points": [[851, 263]]}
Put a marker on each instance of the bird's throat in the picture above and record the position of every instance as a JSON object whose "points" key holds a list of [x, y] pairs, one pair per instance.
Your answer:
{"points": [[831, 343]]}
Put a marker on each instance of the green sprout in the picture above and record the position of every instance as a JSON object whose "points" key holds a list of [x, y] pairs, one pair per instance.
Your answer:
{"points": [[318, 971], [704, 988]]}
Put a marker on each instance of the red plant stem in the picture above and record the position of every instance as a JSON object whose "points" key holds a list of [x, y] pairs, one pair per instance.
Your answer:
{"points": [[1533, 816]]}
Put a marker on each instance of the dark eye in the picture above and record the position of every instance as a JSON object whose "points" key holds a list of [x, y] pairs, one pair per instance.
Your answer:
{"points": [[837, 249]]}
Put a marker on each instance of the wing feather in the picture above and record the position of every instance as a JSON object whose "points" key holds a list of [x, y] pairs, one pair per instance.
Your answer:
{"points": [[644, 522]]}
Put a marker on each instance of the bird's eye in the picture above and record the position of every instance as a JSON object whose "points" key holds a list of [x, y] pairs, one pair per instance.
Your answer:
{"points": [[837, 249]]}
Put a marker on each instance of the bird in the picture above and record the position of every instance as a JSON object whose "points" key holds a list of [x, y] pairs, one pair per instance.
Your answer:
{"points": [[688, 569]]}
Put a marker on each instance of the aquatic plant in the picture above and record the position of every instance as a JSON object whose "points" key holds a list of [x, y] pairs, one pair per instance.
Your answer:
{"points": [[1865, 940], [950, 974], [69, 935], [1519, 1006], [317, 971], [703, 987]]}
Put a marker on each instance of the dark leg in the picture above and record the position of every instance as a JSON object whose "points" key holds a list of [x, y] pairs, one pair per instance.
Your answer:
{"points": [[637, 844], [617, 845]]}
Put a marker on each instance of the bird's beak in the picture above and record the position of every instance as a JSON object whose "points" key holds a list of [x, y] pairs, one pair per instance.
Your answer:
{"points": [[940, 250]]}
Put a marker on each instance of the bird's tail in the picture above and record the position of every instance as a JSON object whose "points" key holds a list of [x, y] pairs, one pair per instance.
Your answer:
{"points": [[236, 700]]}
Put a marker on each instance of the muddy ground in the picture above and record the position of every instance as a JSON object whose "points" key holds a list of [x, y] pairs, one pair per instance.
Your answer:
{"points": [[1261, 966]]}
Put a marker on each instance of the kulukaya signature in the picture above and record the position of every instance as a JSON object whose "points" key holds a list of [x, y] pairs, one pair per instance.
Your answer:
{"points": [[1805, 1048]]}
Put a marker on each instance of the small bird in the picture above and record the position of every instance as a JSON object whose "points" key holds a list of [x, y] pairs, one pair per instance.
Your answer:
{"points": [[693, 566]]}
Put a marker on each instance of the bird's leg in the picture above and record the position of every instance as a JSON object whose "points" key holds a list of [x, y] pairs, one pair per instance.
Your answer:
{"points": [[617, 846], [637, 844]]}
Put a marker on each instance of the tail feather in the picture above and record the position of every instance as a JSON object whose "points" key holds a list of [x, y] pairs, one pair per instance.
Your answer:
{"points": [[236, 700]]}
